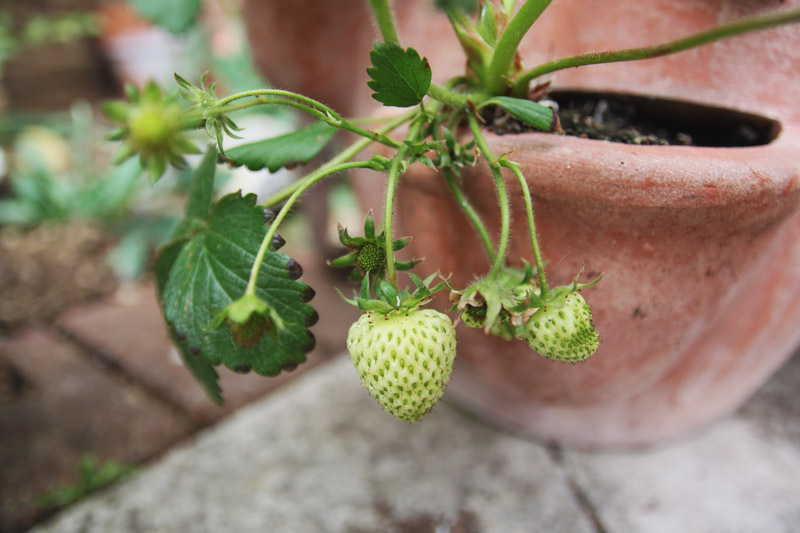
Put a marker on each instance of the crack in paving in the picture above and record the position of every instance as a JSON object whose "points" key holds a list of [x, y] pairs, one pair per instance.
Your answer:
{"points": [[101, 360], [556, 453]]}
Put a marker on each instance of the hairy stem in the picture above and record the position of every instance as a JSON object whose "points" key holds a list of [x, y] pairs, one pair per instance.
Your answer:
{"points": [[502, 197], [312, 179], [296, 101], [473, 216], [345, 155], [509, 42], [391, 188], [537, 255], [521, 82], [447, 96], [383, 15]]}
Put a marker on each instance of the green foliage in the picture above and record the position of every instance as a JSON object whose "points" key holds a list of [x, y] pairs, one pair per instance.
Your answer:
{"points": [[177, 16], [295, 148], [400, 78], [467, 6], [533, 113], [230, 298], [206, 269], [69, 185], [92, 475]]}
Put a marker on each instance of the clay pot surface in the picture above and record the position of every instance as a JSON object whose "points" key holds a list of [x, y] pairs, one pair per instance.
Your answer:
{"points": [[698, 304]]}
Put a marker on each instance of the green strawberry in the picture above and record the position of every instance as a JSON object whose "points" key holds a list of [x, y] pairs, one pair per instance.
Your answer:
{"points": [[563, 330], [403, 358]]}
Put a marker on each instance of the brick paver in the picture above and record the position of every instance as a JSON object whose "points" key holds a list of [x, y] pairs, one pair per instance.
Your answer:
{"points": [[68, 407], [129, 329]]}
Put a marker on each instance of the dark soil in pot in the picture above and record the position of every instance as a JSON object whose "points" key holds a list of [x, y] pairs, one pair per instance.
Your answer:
{"points": [[641, 120]]}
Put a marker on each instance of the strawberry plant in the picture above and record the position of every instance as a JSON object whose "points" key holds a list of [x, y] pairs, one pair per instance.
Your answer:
{"points": [[231, 297]]}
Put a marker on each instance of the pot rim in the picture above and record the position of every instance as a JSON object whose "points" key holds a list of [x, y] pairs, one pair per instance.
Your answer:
{"points": [[566, 167]]}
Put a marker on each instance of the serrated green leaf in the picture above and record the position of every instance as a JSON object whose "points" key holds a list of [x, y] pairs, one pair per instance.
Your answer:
{"points": [[202, 189], [177, 16], [211, 271], [164, 260], [400, 78], [539, 116], [202, 369], [294, 148]]}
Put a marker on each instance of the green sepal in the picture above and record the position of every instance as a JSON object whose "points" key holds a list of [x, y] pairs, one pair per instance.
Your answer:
{"points": [[532, 113], [344, 261], [368, 253], [249, 319]]}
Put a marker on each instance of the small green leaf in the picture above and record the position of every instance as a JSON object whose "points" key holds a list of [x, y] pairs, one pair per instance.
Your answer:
{"points": [[464, 5], [294, 148], [211, 271], [400, 78], [539, 116], [177, 16], [508, 6]]}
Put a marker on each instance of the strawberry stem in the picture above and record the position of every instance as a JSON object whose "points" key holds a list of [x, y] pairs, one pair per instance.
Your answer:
{"points": [[469, 211], [347, 154], [293, 100], [506, 49], [523, 79], [383, 16], [311, 180], [502, 197], [537, 255], [398, 161]]}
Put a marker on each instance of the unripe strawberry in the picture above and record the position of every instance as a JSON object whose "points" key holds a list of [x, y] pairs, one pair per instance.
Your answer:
{"points": [[563, 330], [403, 358]]}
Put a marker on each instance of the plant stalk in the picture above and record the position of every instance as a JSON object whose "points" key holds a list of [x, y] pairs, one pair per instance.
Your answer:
{"points": [[502, 198], [504, 52], [312, 179], [447, 97], [391, 189], [537, 254], [473, 216], [347, 154], [521, 82], [297, 101], [383, 15]]}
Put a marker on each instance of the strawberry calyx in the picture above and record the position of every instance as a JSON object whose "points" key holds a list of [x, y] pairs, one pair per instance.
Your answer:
{"points": [[497, 304], [151, 124], [387, 299], [249, 319], [368, 253]]}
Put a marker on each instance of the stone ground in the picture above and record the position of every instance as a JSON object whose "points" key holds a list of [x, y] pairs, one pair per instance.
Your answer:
{"points": [[103, 379], [310, 451]]}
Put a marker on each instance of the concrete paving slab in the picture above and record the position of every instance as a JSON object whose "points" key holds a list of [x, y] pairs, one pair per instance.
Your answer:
{"points": [[320, 456], [742, 475], [728, 480]]}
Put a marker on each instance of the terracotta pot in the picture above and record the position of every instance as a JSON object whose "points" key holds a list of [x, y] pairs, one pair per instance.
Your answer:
{"points": [[321, 49], [697, 245], [700, 253], [756, 72]]}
